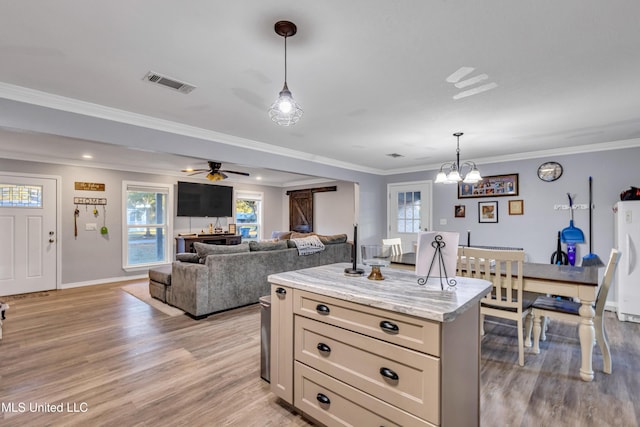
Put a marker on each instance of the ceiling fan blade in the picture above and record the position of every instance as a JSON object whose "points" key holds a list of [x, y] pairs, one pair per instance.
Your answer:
{"points": [[194, 170], [236, 172]]}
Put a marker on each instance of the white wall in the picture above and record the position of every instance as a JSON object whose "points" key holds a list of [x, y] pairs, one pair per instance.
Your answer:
{"points": [[333, 211]]}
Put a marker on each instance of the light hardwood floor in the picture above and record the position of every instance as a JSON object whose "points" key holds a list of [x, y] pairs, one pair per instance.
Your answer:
{"points": [[100, 350]]}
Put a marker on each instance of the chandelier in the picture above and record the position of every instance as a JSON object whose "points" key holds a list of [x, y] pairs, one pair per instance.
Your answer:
{"points": [[451, 173], [285, 111]]}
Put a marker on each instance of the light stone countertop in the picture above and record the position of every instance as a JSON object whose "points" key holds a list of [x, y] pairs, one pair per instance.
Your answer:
{"points": [[399, 292]]}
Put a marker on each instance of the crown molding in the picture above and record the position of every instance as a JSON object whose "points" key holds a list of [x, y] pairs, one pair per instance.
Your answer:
{"points": [[57, 102]]}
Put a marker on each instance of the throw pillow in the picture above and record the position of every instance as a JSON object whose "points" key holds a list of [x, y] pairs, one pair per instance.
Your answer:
{"points": [[204, 249], [296, 235], [332, 240], [187, 257], [281, 235], [267, 246]]}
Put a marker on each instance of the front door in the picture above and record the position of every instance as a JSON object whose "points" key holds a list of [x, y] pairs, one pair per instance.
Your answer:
{"points": [[409, 211], [28, 255]]}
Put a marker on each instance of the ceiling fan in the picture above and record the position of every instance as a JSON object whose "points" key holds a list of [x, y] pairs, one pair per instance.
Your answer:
{"points": [[214, 173]]}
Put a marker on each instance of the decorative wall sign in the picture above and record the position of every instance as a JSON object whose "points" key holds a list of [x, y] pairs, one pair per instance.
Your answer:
{"points": [[89, 186], [490, 186], [89, 201], [487, 211]]}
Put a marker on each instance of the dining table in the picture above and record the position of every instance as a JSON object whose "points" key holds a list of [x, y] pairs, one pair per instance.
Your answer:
{"points": [[561, 280]]}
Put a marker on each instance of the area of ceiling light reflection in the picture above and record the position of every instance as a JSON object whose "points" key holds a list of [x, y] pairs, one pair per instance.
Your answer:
{"points": [[259, 178], [476, 90], [87, 156], [471, 81], [459, 74]]}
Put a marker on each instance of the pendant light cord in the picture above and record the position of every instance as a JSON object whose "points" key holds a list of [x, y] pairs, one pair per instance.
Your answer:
{"points": [[285, 60]]}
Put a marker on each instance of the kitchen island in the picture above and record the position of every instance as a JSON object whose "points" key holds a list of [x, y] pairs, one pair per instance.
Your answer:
{"points": [[348, 350]]}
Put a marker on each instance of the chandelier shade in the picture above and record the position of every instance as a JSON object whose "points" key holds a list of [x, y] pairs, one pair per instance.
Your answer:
{"points": [[451, 173], [285, 111]]}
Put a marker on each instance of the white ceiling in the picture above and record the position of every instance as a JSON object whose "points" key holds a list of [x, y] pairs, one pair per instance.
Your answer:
{"points": [[371, 75]]}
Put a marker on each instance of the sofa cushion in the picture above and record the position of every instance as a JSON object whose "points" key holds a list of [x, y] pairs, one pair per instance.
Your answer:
{"points": [[161, 274], [188, 257], [268, 246], [334, 239], [204, 249]]}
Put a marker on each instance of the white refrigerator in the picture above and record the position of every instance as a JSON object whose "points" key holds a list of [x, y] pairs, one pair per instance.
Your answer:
{"points": [[627, 236]]}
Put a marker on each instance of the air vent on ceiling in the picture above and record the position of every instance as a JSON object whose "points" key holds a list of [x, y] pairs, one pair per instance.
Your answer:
{"points": [[165, 81]]}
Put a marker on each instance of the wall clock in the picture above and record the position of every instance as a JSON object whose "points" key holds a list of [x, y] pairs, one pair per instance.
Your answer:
{"points": [[550, 171]]}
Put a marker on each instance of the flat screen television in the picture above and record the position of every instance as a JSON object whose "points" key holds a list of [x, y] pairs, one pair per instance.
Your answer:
{"points": [[204, 200]]}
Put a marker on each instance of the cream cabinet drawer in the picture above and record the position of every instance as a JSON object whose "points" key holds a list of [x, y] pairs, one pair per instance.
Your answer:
{"points": [[335, 403], [407, 331], [403, 377]]}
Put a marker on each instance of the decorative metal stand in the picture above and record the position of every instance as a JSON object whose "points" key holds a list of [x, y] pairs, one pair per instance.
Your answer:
{"points": [[438, 243]]}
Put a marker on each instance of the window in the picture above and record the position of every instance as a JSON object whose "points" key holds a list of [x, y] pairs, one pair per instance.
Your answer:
{"points": [[409, 212], [147, 220], [249, 215], [20, 196]]}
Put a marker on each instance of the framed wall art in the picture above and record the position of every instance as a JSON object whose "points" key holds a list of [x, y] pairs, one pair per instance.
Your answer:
{"points": [[459, 211], [490, 186], [488, 212], [516, 207], [232, 229]]}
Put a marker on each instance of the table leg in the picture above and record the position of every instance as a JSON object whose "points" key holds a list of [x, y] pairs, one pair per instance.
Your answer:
{"points": [[537, 330], [587, 335]]}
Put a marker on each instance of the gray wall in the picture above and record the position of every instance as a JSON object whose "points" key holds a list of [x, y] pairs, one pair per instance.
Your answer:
{"points": [[92, 257], [536, 230]]}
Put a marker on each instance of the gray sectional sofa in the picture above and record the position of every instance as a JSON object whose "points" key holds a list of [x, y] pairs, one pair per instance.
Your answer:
{"points": [[219, 278]]}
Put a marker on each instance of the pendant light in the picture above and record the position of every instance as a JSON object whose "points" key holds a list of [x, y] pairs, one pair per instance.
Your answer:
{"points": [[450, 173], [285, 111]]}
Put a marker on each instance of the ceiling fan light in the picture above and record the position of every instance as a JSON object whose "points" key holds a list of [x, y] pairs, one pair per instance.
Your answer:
{"points": [[216, 176]]}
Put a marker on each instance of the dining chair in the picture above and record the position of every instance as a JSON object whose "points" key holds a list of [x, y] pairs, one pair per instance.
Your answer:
{"points": [[396, 245], [549, 307], [503, 268]]}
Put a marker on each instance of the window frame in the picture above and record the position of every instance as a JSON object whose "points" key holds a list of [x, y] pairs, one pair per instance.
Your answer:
{"points": [[167, 189], [249, 195]]}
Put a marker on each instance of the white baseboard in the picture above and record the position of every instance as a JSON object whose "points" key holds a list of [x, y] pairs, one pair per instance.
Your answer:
{"points": [[103, 281]]}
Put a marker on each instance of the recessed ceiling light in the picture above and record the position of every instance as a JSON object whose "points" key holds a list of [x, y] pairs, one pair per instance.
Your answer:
{"points": [[87, 156], [259, 178]]}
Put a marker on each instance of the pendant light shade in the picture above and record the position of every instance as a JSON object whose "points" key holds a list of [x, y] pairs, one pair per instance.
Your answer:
{"points": [[285, 111], [450, 173]]}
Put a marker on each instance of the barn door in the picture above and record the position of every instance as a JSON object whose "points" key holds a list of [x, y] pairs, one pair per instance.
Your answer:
{"points": [[301, 211]]}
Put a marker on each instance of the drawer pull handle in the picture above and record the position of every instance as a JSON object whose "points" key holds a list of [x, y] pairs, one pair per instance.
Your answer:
{"points": [[390, 327], [281, 291], [324, 348], [322, 309], [323, 399], [388, 373]]}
